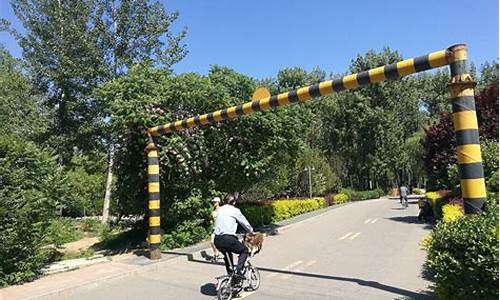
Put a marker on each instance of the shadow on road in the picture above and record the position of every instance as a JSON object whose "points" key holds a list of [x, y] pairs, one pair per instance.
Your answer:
{"points": [[208, 289], [373, 284], [410, 220]]}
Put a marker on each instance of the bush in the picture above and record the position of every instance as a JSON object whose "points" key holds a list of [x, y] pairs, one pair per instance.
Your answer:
{"points": [[361, 195], [437, 200], [349, 193], [463, 257], [380, 192], [418, 191], [61, 231], [340, 198], [452, 212], [492, 183], [259, 214], [30, 179]]}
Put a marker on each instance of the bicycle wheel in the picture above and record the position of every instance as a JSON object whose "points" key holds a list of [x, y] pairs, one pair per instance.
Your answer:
{"points": [[225, 290], [253, 277]]}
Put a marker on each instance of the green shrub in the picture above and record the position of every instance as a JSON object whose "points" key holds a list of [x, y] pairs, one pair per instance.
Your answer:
{"points": [[258, 214], [340, 198], [380, 192], [349, 192], [30, 181], [463, 257], [438, 200], [61, 231], [492, 183]]}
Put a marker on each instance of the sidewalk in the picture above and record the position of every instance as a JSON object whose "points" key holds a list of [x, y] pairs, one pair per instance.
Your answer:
{"points": [[120, 266]]}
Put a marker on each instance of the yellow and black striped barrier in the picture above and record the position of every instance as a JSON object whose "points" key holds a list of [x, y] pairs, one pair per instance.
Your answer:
{"points": [[470, 165], [154, 237], [464, 119]]}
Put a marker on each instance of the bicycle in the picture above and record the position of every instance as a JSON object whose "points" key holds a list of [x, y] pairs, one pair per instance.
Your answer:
{"points": [[404, 202], [228, 287]]}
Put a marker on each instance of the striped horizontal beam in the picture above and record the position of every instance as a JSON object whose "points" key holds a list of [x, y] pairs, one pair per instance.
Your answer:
{"points": [[391, 71]]}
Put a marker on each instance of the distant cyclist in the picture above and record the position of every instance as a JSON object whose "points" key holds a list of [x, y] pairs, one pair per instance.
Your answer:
{"points": [[403, 195], [228, 218]]}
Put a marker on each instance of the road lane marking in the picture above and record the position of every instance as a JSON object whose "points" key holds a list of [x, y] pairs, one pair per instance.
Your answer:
{"points": [[374, 220], [244, 294], [299, 269], [287, 268], [345, 236], [367, 221], [355, 236]]}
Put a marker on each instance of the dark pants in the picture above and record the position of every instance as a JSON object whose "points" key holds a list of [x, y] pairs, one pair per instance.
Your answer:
{"points": [[229, 244]]}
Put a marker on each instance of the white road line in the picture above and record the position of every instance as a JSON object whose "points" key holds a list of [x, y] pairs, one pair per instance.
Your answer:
{"points": [[299, 269], [367, 221], [245, 294], [374, 220], [287, 268], [345, 236], [355, 236]]}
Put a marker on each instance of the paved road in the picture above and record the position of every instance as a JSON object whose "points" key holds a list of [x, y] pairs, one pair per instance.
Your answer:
{"points": [[364, 250]]}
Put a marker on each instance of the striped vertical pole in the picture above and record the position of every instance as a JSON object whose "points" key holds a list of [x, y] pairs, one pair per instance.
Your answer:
{"points": [[154, 237], [470, 165]]}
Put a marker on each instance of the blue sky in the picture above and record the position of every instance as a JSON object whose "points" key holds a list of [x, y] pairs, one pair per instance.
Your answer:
{"points": [[258, 38]]}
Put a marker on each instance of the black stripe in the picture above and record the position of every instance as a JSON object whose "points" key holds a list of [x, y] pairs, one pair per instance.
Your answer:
{"points": [[223, 114], [391, 71], [467, 137], [172, 126], [337, 85], [255, 105], [463, 103], [153, 161], [363, 78], [239, 110], [273, 101], [314, 91], [471, 171], [184, 123], [458, 67], [473, 205], [293, 97], [421, 63], [154, 196], [153, 247], [210, 117], [154, 212], [197, 120], [161, 129], [153, 177], [155, 230]]}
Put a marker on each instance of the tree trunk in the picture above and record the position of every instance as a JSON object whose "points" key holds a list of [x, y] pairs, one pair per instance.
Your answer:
{"points": [[109, 180]]}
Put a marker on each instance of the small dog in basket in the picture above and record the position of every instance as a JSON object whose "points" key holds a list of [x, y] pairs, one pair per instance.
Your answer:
{"points": [[253, 242]]}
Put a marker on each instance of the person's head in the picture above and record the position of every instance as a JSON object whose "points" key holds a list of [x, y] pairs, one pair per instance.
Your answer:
{"points": [[230, 199], [215, 201]]}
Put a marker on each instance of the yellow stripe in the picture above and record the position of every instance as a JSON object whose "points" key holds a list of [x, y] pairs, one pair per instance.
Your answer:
{"points": [[203, 119], [467, 154], [377, 74], [326, 87], [154, 204], [303, 94], [154, 169], [247, 108], [153, 153], [461, 93], [283, 99], [153, 130], [473, 188], [406, 67], [178, 125], [460, 54], [231, 112], [154, 239], [264, 103], [350, 81], [438, 59], [153, 187], [464, 120], [217, 116], [190, 122], [154, 221]]}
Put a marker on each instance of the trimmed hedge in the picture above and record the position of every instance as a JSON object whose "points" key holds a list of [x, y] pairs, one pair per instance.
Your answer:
{"points": [[437, 200], [362, 195], [340, 198], [259, 214], [463, 256]]}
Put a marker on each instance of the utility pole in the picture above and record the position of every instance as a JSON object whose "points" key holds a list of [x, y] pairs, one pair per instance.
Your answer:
{"points": [[310, 181]]}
